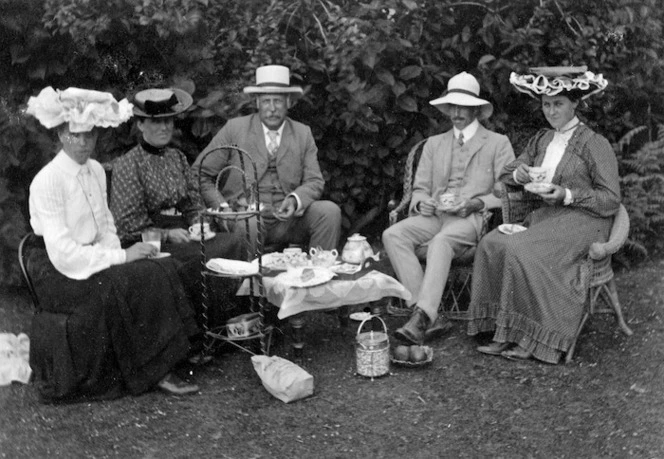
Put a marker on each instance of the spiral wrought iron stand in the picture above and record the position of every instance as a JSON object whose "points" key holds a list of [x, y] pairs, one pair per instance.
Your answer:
{"points": [[253, 251]]}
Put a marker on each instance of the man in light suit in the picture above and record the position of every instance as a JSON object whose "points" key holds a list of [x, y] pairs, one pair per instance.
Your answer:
{"points": [[466, 162], [290, 182]]}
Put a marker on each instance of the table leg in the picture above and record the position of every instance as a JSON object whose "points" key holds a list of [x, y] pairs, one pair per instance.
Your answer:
{"points": [[342, 314], [297, 335]]}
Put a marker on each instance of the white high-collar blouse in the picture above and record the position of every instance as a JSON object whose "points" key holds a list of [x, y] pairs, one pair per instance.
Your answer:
{"points": [[68, 208]]}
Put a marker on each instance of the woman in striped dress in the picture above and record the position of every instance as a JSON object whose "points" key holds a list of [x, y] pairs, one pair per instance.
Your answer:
{"points": [[530, 288]]}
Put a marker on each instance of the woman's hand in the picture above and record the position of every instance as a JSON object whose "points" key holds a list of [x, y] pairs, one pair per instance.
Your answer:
{"points": [[555, 196], [522, 175], [427, 207], [177, 236], [140, 250]]}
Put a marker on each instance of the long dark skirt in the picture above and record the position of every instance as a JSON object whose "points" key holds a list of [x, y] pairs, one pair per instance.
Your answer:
{"points": [[530, 288], [222, 302], [121, 330]]}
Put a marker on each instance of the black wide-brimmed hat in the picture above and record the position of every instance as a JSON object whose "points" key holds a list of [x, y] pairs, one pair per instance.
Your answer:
{"points": [[160, 103]]}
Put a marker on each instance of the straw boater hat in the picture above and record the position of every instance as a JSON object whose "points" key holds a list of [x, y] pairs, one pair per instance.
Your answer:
{"points": [[83, 109], [552, 81], [161, 103], [273, 79], [463, 89]]}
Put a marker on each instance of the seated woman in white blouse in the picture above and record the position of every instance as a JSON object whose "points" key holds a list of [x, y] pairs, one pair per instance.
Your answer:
{"points": [[110, 321], [529, 288]]}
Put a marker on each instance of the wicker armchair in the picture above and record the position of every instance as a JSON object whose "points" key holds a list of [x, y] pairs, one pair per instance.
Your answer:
{"points": [[457, 292], [518, 203]]}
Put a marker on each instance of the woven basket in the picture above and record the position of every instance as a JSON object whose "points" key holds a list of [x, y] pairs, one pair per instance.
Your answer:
{"points": [[372, 351]]}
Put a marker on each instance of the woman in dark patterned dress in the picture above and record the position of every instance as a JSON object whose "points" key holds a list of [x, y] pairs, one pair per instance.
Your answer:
{"points": [[530, 288], [152, 187], [108, 320]]}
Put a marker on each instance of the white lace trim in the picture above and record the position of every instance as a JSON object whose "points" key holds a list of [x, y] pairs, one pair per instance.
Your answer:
{"points": [[538, 85]]}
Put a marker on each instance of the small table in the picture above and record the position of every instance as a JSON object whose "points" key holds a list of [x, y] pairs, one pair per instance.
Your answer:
{"points": [[292, 301]]}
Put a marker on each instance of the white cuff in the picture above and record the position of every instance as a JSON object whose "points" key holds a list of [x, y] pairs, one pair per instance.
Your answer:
{"points": [[297, 200]]}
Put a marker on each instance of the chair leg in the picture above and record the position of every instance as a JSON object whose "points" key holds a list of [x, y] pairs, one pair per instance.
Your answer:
{"points": [[570, 352], [614, 302]]}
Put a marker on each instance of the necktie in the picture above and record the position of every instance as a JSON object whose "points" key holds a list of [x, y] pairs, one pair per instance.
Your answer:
{"points": [[273, 145], [460, 140]]}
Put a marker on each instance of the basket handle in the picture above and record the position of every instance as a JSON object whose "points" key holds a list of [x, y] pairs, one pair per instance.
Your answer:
{"points": [[359, 329]]}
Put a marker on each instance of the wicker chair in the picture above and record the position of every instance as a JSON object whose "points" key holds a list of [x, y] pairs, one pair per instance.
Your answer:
{"points": [[457, 292], [518, 203], [28, 242]]}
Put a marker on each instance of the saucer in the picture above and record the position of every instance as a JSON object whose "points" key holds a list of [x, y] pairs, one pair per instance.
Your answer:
{"points": [[538, 187], [162, 255], [509, 228]]}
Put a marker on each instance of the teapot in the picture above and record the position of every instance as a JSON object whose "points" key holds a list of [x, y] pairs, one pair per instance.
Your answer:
{"points": [[356, 250]]}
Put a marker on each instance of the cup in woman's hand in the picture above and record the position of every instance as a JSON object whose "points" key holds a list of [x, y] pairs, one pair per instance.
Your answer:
{"points": [[538, 174], [152, 236], [195, 230]]}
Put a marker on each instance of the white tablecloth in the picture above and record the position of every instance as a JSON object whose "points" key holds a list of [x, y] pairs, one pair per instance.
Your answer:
{"points": [[371, 287]]}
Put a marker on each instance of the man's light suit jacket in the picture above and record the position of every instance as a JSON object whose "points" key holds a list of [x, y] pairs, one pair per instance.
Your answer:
{"points": [[296, 161], [488, 152]]}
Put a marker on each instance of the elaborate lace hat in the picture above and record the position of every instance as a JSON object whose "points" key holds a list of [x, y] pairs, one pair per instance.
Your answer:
{"points": [[83, 109], [463, 89], [273, 79], [553, 81], [161, 103]]}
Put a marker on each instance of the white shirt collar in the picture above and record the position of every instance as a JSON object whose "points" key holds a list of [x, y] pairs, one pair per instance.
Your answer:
{"points": [[574, 122], [279, 131], [66, 164], [469, 131]]}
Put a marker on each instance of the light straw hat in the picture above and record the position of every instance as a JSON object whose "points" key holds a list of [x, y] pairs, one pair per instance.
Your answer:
{"points": [[273, 79], [161, 103], [553, 81], [83, 109], [463, 89]]}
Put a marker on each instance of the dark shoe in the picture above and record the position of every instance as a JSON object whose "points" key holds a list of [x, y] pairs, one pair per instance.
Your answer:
{"points": [[440, 328], [413, 331], [494, 348], [518, 353], [171, 384], [397, 308]]}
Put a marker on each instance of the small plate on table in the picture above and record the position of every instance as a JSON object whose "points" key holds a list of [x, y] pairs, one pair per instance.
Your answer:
{"points": [[232, 267], [538, 187], [511, 228], [305, 277]]}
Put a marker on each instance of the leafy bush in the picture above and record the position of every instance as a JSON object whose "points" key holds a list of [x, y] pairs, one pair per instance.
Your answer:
{"points": [[369, 69]]}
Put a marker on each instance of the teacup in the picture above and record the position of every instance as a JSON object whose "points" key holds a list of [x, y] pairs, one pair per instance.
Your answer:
{"points": [[538, 174], [195, 230], [447, 200], [152, 236]]}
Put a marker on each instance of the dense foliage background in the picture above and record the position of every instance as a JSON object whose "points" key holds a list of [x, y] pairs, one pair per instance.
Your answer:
{"points": [[369, 69]]}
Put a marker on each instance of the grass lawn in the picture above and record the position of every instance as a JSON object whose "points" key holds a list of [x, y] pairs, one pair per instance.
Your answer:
{"points": [[609, 402]]}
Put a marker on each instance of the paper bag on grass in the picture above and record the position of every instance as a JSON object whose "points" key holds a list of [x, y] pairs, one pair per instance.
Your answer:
{"points": [[282, 378]]}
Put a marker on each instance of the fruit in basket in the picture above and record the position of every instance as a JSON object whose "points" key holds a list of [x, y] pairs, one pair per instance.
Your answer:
{"points": [[417, 354], [401, 352]]}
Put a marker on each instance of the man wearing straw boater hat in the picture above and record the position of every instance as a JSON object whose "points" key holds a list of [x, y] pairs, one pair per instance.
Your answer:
{"points": [[289, 178], [453, 186]]}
